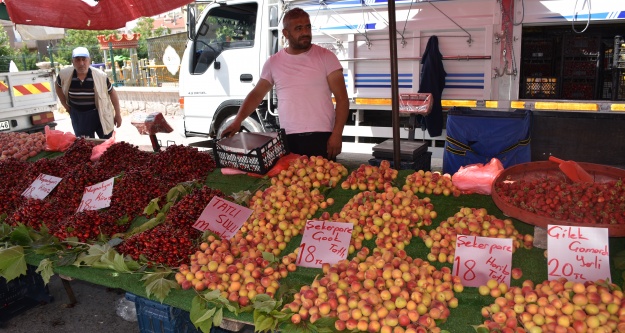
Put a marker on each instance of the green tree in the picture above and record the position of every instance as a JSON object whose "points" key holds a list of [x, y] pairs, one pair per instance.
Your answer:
{"points": [[161, 31], [6, 52], [26, 59], [86, 38], [145, 27]]}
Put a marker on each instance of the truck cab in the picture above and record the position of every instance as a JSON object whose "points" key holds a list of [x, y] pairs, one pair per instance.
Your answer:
{"points": [[221, 64]]}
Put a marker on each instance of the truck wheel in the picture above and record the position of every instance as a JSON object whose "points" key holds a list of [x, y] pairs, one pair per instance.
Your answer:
{"points": [[248, 125]]}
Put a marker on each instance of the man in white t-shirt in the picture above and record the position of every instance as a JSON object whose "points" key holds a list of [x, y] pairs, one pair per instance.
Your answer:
{"points": [[306, 76]]}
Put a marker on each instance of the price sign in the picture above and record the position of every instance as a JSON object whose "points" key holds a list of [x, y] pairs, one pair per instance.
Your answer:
{"points": [[578, 253], [222, 217], [479, 259], [41, 187], [97, 196], [324, 242]]}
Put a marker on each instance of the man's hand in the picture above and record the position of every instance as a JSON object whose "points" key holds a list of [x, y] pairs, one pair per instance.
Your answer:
{"points": [[231, 130], [117, 120], [335, 143]]}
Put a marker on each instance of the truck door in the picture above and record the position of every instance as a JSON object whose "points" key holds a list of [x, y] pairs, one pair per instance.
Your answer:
{"points": [[222, 64]]}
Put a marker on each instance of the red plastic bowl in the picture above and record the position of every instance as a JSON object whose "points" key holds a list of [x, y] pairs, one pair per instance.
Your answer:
{"points": [[544, 169]]}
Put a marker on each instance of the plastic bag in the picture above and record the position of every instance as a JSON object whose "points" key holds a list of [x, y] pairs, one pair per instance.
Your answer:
{"points": [[58, 140], [126, 309], [98, 150], [477, 178]]}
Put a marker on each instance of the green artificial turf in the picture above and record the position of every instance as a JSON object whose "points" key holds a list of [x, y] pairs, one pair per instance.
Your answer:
{"points": [[532, 261]]}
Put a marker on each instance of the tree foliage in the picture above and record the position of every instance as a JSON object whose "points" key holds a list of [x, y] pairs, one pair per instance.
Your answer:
{"points": [[87, 38], [6, 52], [145, 27]]}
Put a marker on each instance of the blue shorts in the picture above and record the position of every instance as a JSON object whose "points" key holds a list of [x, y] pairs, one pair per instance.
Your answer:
{"points": [[87, 124]]}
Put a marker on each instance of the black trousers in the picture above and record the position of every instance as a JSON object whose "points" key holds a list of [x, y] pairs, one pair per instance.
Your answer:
{"points": [[87, 124], [309, 143]]}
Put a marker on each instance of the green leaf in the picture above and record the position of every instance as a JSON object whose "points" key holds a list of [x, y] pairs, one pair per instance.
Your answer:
{"points": [[5, 230], [67, 259], [151, 277], [280, 315], [212, 295], [207, 316], [20, 236], [265, 325], [48, 249], [167, 206], [12, 262], [176, 192], [151, 207], [480, 329], [218, 317], [262, 298], [149, 224], [160, 288], [119, 264], [264, 306], [45, 269], [231, 306], [258, 318], [269, 256], [133, 265], [94, 254], [199, 316]]}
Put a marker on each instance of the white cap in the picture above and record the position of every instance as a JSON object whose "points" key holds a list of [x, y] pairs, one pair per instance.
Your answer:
{"points": [[80, 52]]}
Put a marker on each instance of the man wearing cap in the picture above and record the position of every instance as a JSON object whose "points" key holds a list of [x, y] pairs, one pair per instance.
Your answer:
{"points": [[89, 97]]}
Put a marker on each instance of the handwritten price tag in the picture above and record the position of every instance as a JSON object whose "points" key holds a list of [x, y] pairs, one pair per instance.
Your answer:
{"points": [[324, 242], [41, 187], [479, 259], [97, 196], [578, 253], [222, 217]]}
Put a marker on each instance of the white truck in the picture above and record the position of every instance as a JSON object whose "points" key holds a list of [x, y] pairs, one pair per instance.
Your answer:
{"points": [[27, 101], [549, 56]]}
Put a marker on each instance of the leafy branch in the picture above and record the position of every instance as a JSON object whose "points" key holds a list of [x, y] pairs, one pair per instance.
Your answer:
{"points": [[267, 314], [207, 309]]}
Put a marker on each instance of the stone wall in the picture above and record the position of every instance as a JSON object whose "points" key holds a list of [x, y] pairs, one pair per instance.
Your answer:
{"points": [[149, 99]]}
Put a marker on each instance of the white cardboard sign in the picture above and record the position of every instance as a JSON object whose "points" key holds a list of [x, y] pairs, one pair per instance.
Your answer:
{"points": [[97, 196], [41, 187], [479, 259], [578, 253], [222, 217], [324, 242]]}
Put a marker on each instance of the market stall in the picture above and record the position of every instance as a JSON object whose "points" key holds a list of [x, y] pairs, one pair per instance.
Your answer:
{"points": [[149, 247]]}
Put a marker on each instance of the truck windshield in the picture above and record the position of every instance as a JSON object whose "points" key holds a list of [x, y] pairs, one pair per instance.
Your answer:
{"points": [[225, 27]]}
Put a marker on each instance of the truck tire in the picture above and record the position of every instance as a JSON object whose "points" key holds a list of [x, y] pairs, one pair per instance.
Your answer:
{"points": [[248, 125]]}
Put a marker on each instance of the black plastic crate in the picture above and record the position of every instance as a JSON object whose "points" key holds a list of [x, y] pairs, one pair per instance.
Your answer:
{"points": [[155, 317], [22, 294], [259, 160], [540, 87]]}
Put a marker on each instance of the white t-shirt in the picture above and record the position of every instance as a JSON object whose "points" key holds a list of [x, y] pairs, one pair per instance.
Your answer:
{"points": [[305, 100]]}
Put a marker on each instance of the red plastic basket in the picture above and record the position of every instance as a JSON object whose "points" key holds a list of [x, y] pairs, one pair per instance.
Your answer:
{"points": [[420, 103]]}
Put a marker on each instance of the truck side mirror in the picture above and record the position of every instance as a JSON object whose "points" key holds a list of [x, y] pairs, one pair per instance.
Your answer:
{"points": [[217, 65], [190, 22]]}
